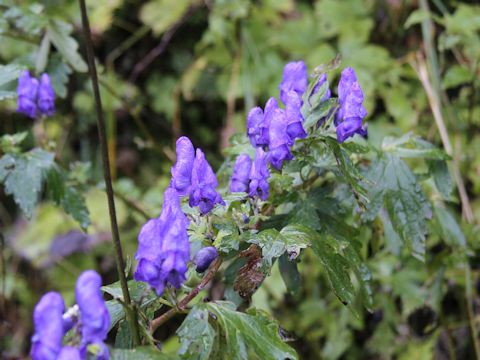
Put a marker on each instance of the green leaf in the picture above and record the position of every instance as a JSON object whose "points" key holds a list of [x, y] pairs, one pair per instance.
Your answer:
{"points": [[139, 291], [124, 339], [456, 75], [59, 33], [274, 244], [141, 353], [116, 312], [395, 187], [337, 269], [23, 176], [441, 176], [416, 17], [409, 146], [59, 72], [9, 73], [68, 196], [161, 14], [197, 336], [253, 335], [450, 231], [290, 275]]}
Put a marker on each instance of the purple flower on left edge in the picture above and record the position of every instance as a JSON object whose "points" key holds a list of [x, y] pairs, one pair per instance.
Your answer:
{"points": [[94, 316], [27, 90], [295, 78], [164, 247], [351, 112], [48, 322]]}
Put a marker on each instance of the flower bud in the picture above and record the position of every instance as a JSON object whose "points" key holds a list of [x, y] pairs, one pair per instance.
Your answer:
{"points": [[204, 258], [295, 78], [27, 90], [241, 174], [46, 96]]}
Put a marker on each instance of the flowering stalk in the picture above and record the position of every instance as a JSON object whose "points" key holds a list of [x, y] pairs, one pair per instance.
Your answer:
{"points": [[129, 310]]}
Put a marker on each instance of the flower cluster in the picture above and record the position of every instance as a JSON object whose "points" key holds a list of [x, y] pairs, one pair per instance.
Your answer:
{"points": [[273, 131], [164, 247], [35, 97], [91, 321]]}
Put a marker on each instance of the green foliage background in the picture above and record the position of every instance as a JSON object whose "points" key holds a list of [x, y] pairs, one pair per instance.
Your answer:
{"points": [[211, 61]]}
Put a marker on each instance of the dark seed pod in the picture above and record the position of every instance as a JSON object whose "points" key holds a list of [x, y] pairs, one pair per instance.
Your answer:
{"points": [[204, 258]]}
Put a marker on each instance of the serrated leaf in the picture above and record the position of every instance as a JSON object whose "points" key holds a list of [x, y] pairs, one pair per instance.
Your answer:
{"points": [[395, 187], [59, 72], [141, 353], [23, 176], [197, 336], [409, 146], [247, 336], [59, 33]]}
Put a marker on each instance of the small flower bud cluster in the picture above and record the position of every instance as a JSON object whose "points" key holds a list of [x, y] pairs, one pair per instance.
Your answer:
{"points": [[273, 131], [89, 318], [164, 247], [35, 97]]}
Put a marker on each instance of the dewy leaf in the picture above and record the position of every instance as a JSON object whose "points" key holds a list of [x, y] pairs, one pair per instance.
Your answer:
{"points": [[246, 336], [23, 175], [197, 336], [395, 187], [59, 33]]}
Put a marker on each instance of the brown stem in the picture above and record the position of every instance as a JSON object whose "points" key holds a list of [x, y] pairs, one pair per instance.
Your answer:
{"points": [[131, 314], [189, 297]]}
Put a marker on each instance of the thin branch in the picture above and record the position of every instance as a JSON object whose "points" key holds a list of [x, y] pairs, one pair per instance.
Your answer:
{"points": [[131, 315], [156, 323]]}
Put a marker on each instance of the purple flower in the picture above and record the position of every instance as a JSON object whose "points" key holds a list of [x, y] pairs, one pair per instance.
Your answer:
{"points": [[258, 123], [241, 174], [293, 104], [46, 96], [94, 317], [27, 94], [351, 112], [259, 175], [204, 258], [295, 77], [204, 182], [47, 318], [69, 353], [164, 248], [279, 139], [182, 170]]}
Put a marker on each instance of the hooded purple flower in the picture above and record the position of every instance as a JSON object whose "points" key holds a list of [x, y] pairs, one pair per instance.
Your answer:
{"points": [[47, 318], [164, 248], [258, 123], [69, 353], [204, 258], [351, 112], [94, 317], [182, 170], [241, 174], [279, 139], [46, 96], [295, 77], [204, 182], [295, 128], [27, 90], [259, 175]]}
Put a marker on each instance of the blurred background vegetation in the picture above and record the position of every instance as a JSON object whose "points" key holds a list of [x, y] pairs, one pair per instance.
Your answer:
{"points": [[193, 67]]}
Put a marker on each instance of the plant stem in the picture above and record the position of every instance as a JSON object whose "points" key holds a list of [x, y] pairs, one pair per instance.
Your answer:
{"points": [[189, 297], [130, 313]]}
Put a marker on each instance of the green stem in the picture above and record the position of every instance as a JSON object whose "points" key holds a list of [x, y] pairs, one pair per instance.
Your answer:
{"points": [[129, 309]]}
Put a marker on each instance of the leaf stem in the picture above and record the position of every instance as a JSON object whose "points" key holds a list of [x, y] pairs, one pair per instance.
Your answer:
{"points": [[156, 323], [131, 314]]}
